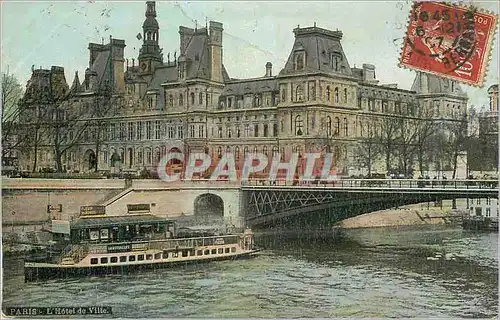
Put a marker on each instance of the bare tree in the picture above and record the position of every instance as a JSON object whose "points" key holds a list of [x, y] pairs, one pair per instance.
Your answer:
{"points": [[426, 128], [387, 136], [457, 136], [407, 131], [368, 149], [12, 93]]}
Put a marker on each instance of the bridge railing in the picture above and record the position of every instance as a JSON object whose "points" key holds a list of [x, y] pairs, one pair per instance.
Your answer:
{"points": [[380, 183]]}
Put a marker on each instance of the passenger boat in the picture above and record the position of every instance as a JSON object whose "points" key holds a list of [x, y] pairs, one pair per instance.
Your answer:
{"points": [[100, 245]]}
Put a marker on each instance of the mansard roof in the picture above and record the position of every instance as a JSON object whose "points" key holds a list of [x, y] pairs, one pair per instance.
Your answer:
{"points": [[239, 87], [425, 83], [318, 45]]}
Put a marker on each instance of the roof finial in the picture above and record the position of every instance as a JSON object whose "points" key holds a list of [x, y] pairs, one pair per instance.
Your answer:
{"points": [[315, 24], [206, 22], [195, 25], [298, 26]]}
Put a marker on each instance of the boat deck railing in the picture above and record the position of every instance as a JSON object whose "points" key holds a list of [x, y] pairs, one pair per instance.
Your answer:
{"points": [[162, 244]]}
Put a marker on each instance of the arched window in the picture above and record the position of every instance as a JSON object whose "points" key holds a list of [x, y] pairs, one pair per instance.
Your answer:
{"points": [[200, 98], [266, 129], [171, 100], [336, 95], [219, 152], [275, 150], [255, 150], [228, 149], [237, 152], [192, 98], [181, 99], [346, 127], [298, 125], [299, 93], [328, 126], [264, 150], [245, 152], [157, 155], [336, 129], [299, 60], [345, 95], [328, 93], [228, 132]]}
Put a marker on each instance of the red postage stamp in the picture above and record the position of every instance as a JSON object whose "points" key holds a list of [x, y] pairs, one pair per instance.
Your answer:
{"points": [[449, 41]]}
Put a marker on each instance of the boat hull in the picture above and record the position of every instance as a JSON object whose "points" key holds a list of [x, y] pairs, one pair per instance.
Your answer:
{"points": [[34, 272]]}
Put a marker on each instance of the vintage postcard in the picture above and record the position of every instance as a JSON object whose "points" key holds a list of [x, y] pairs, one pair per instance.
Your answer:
{"points": [[271, 160]]}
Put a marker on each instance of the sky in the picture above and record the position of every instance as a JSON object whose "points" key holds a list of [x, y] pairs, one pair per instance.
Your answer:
{"points": [[46, 33]]}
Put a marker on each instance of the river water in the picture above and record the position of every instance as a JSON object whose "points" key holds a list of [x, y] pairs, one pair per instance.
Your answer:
{"points": [[383, 272]]}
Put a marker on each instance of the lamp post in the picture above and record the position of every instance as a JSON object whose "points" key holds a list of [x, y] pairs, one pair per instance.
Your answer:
{"points": [[13, 214]]}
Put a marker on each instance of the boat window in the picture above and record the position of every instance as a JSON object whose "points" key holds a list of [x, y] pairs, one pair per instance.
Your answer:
{"points": [[200, 252], [158, 255], [185, 253], [227, 250], [233, 249], [214, 251], [165, 255], [93, 261], [114, 259], [175, 254], [131, 258], [192, 252], [207, 251], [221, 250], [140, 257], [104, 260], [123, 259], [149, 257]]}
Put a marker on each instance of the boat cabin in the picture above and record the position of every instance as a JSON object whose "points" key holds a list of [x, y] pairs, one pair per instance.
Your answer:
{"points": [[129, 228]]}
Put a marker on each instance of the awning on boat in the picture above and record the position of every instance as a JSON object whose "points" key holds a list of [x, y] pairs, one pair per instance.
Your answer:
{"points": [[113, 221]]}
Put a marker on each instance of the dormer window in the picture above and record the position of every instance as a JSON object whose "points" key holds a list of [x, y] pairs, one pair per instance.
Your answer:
{"points": [[299, 59], [299, 93], [335, 61]]}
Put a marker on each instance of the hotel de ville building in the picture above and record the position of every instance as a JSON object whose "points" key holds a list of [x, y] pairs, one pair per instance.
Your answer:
{"points": [[125, 114]]}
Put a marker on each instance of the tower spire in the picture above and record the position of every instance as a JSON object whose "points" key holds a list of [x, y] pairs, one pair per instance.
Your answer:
{"points": [[150, 53]]}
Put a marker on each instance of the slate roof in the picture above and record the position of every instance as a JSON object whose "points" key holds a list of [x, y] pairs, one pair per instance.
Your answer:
{"points": [[76, 86], [318, 44], [436, 85], [162, 74], [250, 86]]}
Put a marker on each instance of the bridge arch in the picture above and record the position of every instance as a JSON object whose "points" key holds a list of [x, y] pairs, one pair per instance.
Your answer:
{"points": [[208, 205]]}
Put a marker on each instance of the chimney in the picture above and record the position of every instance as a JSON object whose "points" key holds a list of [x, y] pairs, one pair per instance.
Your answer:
{"points": [[215, 49], [117, 48], [269, 69], [368, 72], [185, 35]]}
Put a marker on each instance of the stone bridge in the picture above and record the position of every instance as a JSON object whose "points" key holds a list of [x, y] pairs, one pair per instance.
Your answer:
{"points": [[258, 204]]}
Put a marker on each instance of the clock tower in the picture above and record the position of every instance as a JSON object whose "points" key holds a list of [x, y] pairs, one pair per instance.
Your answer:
{"points": [[150, 54]]}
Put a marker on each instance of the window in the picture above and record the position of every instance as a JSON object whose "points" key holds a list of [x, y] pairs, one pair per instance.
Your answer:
{"points": [[140, 257], [201, 131], [345, 95], [181, 99], [227, 250], [299, 60], [170, 100], [165, 255], [336, 95], [220, 250], [328, 126], [207, 252], [275, 129], [266, 130], [131, 258], [214, 251], [130, 131], [149, 257], [191, 130], [113, 259], [247, 130], [336, 130], [219, 152], [255, 150], [488, 212], [192, 98], [233, 249], [149, 130], [123, 259], [104, 260], [264, 150], [139, 131], [219, 132], [157, 130], [238, 132], [256, 130], [346, 127], [299, 93], [237, 152], [228, 132], [185, 253], [335, 61], [199, 252], [122, 132], [245, 152], [93, 261], [157, 255], [298, 125], [180, 132], [200, 98], [328, 93]]}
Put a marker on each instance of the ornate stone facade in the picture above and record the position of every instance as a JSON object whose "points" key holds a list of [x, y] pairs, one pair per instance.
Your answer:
{"points": [[316, 102]]}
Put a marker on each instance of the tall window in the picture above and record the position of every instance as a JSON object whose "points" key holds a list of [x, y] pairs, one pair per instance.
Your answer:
{"points": [[171, 100], [180, 132], [112, 130], [328, 93], [245, 152], [345, 95], [238, 132], [275, 150], [219, 132], [229, 133], [171, 132], [139, 130], [181, 99], [201, 131], [157, 130], [131, 131], [336, 130], [299, 93], [299, 126], [192, 98], [346, 127], [219, 152], [191, 130], [266, 129], [275, 129], [247, 130], [336, 95], [200, 98], [237, 153], [122, 132], [256, 130], [299, 60], [148, 130], [264, 150], [328, 126]]}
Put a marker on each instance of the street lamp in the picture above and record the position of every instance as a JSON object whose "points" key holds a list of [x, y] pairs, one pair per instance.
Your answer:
{"points": [[13, 214]]}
